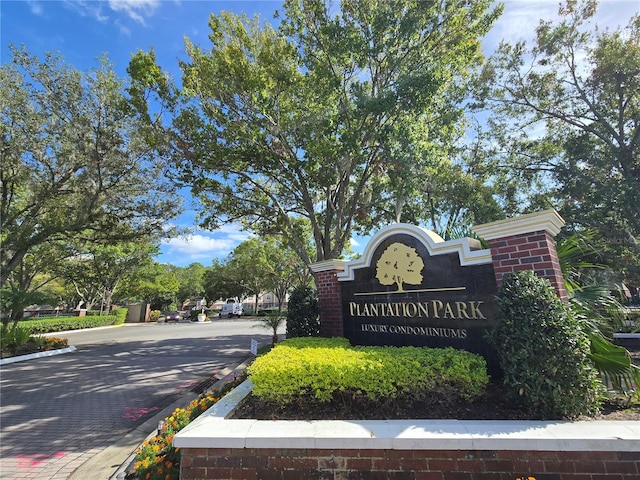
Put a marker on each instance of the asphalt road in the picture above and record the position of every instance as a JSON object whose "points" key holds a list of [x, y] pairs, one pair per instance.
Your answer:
{"points": [[59, 414]]}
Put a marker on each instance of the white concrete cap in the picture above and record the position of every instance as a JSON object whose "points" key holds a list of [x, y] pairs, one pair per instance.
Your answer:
{"points": [[213, 430], [548, 220]]}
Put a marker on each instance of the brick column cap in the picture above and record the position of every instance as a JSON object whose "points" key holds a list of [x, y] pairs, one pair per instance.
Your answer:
{"points": [[328, 265], [547, 220]]}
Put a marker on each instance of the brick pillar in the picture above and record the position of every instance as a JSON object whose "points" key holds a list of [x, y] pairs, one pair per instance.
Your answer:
{"points": [[329, 297], [526, 243]]}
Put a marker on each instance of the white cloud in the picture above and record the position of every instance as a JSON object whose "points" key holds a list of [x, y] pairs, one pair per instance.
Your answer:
{"points": [[201, 246], [35, 7], [233, 232], [87, 8], [137, 10], [521, 18], [198, 244], [123, 29]]}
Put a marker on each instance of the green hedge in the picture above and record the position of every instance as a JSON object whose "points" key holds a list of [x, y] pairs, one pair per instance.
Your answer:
{"points": [[61, 324], [322, 368], [263, 312]]}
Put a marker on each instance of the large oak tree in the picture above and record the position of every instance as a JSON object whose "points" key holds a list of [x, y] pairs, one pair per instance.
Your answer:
{"points": [[72, 160], [305, 121], [567, 120]]}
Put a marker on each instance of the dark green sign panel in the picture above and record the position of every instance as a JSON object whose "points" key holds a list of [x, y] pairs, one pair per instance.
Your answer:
{"points": [[411, 288]]}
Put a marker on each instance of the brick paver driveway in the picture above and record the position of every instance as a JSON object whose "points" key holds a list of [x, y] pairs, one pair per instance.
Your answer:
{"points": [[58, 412]]}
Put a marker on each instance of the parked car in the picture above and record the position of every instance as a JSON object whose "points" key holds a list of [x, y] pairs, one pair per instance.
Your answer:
{"points": [[172, 317], [233, 308]]}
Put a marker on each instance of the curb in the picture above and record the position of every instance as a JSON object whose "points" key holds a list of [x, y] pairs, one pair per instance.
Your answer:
{"points": [[31, 356], [51, 353]]}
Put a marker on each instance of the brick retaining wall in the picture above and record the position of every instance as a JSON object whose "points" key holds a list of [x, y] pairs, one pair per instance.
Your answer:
{"points": [[360, 464], [216, 447]]}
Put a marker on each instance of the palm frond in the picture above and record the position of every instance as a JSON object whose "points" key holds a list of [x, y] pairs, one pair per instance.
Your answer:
{"points": [[614, 364], [599, 313]]}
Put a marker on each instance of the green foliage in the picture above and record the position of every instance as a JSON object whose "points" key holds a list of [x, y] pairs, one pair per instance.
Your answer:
{"points": [[14, 336], [303, 315], [154, 315], [272, 321], [39, 340], [321, 369], [305, 121], [250, 262], [597, 310], [631, 322], [18, 340], [270, 310], [543, 351], [614, 364], [565, 126], [153, 283], [157, 458], [220, 282], [73, 160], [61, 324], [255, 266], [99, 271], [191, 281], [284, 269], [25, 285]]}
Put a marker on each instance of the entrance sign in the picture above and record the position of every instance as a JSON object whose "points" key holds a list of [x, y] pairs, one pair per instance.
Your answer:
{"points": [[412, 288]]}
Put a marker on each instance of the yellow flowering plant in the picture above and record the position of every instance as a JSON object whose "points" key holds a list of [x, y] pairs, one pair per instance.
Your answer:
{"points": [[157, 458]]}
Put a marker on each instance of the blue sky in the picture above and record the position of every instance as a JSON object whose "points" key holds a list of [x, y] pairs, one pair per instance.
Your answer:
{"points": [[83, 30]]}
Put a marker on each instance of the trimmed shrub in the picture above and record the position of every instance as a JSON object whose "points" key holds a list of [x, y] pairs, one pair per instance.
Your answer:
{"points": [[323, 369], [303, 314], [543, 351], [61, 324]]}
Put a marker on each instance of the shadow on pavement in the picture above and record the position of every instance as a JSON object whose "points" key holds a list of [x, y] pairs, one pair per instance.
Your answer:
{"points": [[87, 399]]}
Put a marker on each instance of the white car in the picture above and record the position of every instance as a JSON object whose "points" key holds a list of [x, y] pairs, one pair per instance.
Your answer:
{"points": [[232, 308]]}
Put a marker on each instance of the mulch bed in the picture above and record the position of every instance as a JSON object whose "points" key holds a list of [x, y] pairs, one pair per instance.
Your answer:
{"points": [[497, 403]]}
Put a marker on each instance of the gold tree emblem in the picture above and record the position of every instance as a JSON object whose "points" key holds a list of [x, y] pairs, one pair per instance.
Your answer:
{"points": [[399, 264]]}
